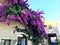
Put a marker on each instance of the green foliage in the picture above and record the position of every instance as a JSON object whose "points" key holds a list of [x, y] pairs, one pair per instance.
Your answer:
{"points": [[5, 9], [16, 9], [34, 37], [58, 41], [35, 43]]}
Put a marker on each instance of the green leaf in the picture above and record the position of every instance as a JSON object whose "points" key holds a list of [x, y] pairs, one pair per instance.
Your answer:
{"points": [[14, 10], [5, 9]]}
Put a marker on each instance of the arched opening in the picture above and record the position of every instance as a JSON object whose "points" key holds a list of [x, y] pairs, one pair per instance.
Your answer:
{"points": [[22, 39]]}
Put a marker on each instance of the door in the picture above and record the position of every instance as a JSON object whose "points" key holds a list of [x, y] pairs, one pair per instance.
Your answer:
{"points": [[23, 41]]}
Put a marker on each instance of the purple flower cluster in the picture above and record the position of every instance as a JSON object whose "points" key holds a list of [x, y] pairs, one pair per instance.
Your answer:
{"points": [[24, 3], [2, 19], [9, 4], [25, 16], [37, 21], [35, 18], [15, 1], [1, 10], [20, 19], [13, 17], [10, 18], [9, 21]]}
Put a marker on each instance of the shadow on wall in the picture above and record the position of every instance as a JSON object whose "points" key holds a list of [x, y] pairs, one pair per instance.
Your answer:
{"points": [[14, 41]]}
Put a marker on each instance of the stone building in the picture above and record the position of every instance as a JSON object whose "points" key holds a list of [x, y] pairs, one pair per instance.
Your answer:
{"points": [[6, 33]]}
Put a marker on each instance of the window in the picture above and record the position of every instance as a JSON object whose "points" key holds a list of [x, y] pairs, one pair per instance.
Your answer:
{"points": [[5, 41], [50, 27]]}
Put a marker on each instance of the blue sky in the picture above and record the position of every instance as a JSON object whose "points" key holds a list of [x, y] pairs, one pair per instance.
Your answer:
{"points": [[50, 7]]}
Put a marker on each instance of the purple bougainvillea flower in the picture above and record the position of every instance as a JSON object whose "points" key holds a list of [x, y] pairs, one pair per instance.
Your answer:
{"points": [[36, 16], [8, 22], [13, 17], [1, 13], [9, 16], [34, 23], [46, 36], [34, 12], [43, 34], [1, 7], [41, 12], [23, 11], [25, 21], [26, 17], [38, 24], [25, 0], [21, 2], [30, 10], [28, 13], [25, 14], [2, 19], [15, 1], [1, 10], [20, 19], [39, 28], [24, 3], [9, 4]]}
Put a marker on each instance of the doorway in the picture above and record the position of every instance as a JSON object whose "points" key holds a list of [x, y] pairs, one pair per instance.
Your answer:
{"points": [[52, 39], [22, 40]]}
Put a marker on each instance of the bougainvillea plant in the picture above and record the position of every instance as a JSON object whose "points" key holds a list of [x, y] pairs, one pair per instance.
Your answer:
{"points": [[18, 10]]}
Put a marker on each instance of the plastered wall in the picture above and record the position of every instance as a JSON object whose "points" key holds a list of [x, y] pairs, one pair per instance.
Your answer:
{"points": [[6, 31]]}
